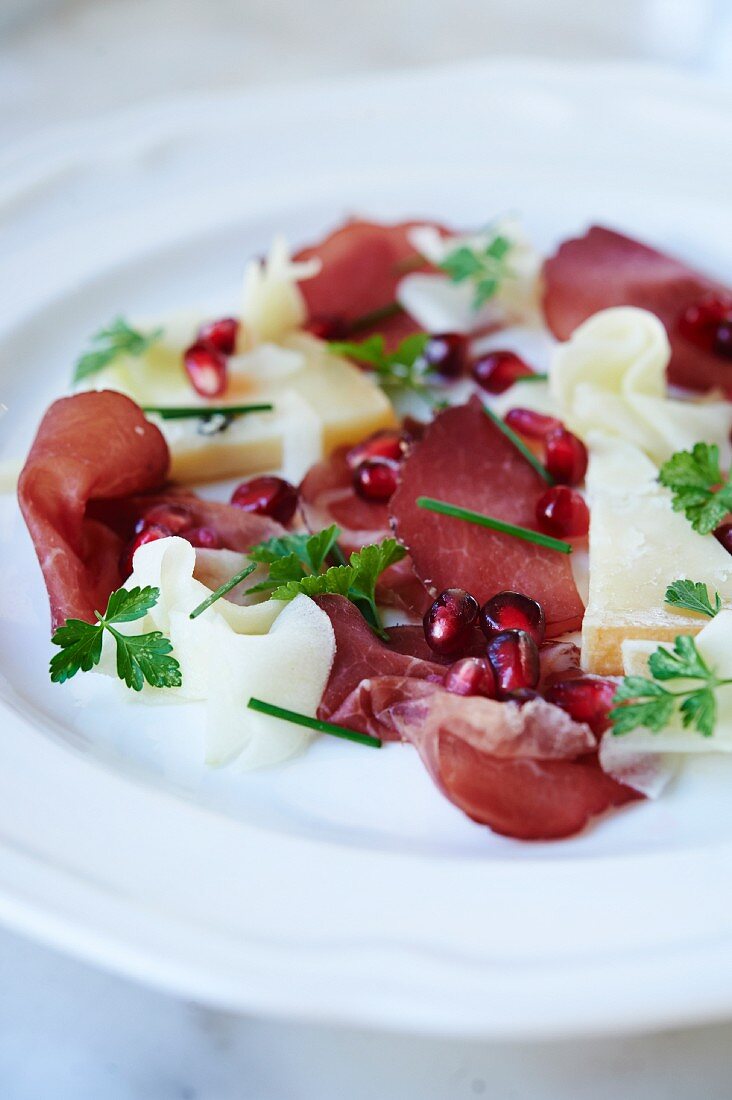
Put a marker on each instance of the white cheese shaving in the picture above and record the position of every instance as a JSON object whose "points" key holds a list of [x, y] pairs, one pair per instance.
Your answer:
{"points": [[272, 304]]}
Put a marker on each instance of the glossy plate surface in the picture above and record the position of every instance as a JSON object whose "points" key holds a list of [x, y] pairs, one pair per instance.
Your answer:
{"points": [[340, 886]]}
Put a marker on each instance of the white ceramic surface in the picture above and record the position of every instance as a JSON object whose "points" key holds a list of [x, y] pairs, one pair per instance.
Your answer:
{"points": [[341, 886]]}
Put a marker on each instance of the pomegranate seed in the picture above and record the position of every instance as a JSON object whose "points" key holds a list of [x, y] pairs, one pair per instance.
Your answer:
{"points": [[449, 623], [471, 676], [151, 533], [446, 354], [566, 457], [385, 444], [532, 424], [708, 324], [376, 479], [497, 371], [513, 611], [562, 511], [327, 326], [220, 334], [724, 535], [585, 700], [173, 516], [203, 537], [206, 369], [267, 496], [514, 658]]}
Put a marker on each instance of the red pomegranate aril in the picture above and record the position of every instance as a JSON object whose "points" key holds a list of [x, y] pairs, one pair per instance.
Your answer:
{"points": [[384, 444], [267, 496], [446, 354], [376, 479], [513, 611], [173, 516], [565, 457], [585, 699], [203, 538], [723, 534], [496, 371], [471, 676], [532, 424], [514, 658], [706, 323], [723, 340], [151, 533], [563, 512], [328, 326], [220, 334], [206, 369], [450, 621]]}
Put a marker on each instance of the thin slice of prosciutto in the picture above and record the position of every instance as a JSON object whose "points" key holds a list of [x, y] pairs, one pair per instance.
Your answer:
{"points": [[604, 269], [362, 262], [94, 446], [464, 459]]}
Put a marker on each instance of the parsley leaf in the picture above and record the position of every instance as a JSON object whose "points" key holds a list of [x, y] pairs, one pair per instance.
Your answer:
{"points": [[109, 343], [699, 487], [400, 371], [140, 657], [646, 702], [694, 596], [485, 267], [293, 557]]}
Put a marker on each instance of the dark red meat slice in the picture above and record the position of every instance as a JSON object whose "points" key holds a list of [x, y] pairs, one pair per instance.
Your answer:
{"points": [[604, 269], [90, 447], [464, 459], [362, 262]]}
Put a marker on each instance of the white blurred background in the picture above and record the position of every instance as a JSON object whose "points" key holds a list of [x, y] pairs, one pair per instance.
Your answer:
{"points": [[62, 59]]}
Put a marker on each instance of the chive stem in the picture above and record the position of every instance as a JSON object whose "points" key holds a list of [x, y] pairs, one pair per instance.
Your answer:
{"points": [[535, 376], [184, 412], [375, 317], [519, 444], [313, 723], [525, 533], [225, 587]]}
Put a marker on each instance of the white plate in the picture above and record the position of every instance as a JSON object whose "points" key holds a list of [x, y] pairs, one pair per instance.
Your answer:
{"points": [[340, 886]]}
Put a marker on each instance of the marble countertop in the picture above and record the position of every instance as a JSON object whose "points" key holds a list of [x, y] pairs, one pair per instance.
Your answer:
{"points": [[71, 1032]]}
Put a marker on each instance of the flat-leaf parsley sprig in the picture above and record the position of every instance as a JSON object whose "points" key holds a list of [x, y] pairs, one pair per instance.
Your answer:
{"points": [[118, 338], [693, 596], [647, 702], [700, 489], [140, 657], [486, 267], [397, 372]]}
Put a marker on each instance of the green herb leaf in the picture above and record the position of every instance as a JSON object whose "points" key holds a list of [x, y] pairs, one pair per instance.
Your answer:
{"points": [[643, 702], [139, 657], [313, 723], [694, 596], [222, 590], [109, 343], [335, 581], [397, 372], [205, 412], [444, 508], [700, 489], [293, 557], [485, 267]]}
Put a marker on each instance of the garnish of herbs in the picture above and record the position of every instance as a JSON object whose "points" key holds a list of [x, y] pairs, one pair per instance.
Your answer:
{"points": [[485, 267], [693, 596], [222, 590], [647, 702], [397, 372], [140, 657], [519, 444], [312, 723], [700, 489], [444, 508], [118, 338], [189, 412]]}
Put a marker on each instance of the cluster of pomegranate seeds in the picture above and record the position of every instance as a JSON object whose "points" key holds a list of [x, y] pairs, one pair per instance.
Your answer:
{"points": [[205, 360], [267, 496], [496, 371], [149, 533], [449, 623], [174, 517], [514, 658], [384, 444], [563, 512], [471, 676], [376, 479], [532, 424], [585, 699], [565, 457], [708, 324], [723, 534], [446, 353], [513, 611], [220, 334]]}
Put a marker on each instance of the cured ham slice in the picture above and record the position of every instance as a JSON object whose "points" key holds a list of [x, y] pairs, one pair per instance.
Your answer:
{"points": [[362, 262], [604, 269], [94, 446], [465, 460]]}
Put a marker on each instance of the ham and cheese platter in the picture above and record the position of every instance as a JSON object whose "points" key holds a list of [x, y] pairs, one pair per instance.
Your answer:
{"points": [[397, 561]]}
